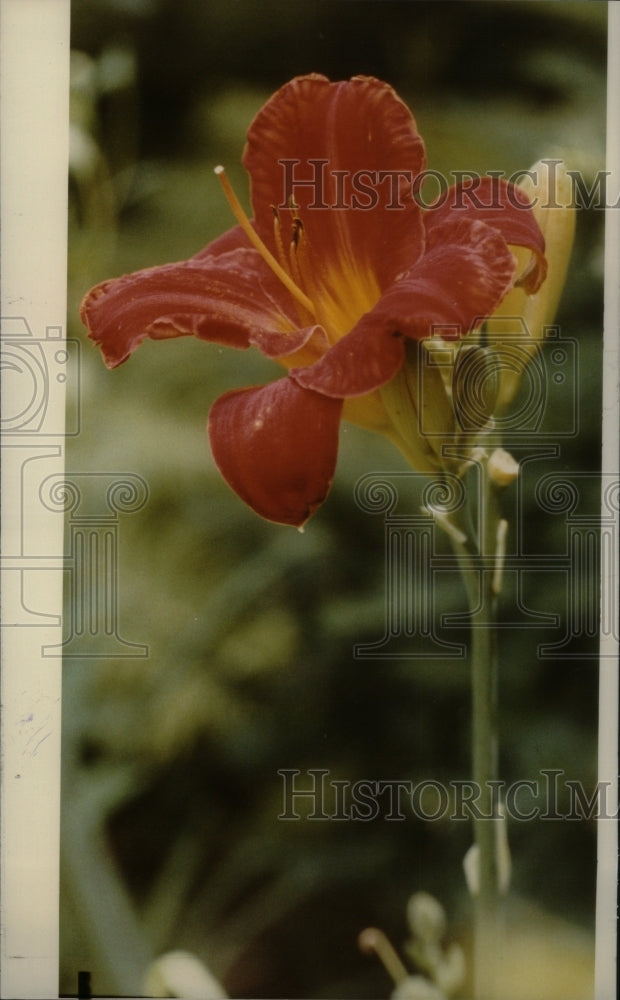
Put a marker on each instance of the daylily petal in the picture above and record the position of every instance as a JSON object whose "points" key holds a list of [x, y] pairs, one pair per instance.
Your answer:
{"points": [[459, 282], [368, 357], [282, 345], [225, 298], [454, 287], [499, 204], [344, 137], [276, 446]]}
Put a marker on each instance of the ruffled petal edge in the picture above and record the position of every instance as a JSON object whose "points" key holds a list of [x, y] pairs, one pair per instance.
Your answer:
{"points": [[229, 298]]}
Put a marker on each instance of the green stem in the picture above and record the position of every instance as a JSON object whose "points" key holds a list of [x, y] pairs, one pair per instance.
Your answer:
{"points": [[484, 760], [478, 565], [485, 746]]}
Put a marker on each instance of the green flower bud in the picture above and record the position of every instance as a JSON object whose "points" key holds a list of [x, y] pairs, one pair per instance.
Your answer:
{"points": [[475, 386], [418, 403]]}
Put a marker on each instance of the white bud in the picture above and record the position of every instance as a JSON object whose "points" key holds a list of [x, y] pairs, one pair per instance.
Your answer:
{"points": [[181, 974], [503, 469], [471, 861], [426, 917], [417, 988]]}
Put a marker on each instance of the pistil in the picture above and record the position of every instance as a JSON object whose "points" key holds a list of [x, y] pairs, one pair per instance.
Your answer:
{"points": [[258, 244]]}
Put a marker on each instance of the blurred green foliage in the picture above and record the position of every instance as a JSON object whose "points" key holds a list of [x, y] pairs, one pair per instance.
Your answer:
{"points": [[171, 791]]}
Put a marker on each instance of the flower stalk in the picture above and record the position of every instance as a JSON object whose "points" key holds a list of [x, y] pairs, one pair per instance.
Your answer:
{"points": [[484, 684], [480, 554]]}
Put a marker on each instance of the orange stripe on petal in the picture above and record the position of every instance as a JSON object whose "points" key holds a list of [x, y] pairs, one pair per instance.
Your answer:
{"points": [[341, 137], [458, 284]]}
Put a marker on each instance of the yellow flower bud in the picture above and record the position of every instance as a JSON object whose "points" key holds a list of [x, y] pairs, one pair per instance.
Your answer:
{"points": [[549, 187]]}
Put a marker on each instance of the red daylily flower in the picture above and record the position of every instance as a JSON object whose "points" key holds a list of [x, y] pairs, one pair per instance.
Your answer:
{"points": [[330, 279]]}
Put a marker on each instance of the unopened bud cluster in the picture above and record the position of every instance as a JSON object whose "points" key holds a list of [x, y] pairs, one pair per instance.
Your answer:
{"points": [[445, 401], [444, 964], [439, 968]]}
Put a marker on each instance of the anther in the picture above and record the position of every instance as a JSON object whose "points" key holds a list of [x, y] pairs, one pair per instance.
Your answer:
{"points": [[298, 228]]}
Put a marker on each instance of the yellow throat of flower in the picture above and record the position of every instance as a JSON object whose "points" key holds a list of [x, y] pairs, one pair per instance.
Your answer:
{"points": [[336, 299]]}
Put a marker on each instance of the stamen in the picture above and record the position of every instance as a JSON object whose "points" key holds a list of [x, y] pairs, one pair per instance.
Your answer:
{"points": [[277, 235], [258, 244], [306, 269], [292, 250], [298, 228]]}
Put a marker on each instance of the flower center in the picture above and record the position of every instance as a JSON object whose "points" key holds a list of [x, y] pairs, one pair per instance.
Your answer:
{"points": [[277, 267]]}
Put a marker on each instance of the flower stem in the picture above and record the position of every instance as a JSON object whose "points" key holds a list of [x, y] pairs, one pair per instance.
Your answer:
{"points": [[484, 763], [480, 565]]}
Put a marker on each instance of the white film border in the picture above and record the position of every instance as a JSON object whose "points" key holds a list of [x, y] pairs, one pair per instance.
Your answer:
{"points": [[34, 91]]}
